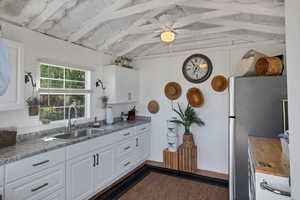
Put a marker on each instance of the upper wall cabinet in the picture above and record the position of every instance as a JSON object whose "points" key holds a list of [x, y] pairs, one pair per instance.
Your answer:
{"points": [[122, 84], [13, 99]]}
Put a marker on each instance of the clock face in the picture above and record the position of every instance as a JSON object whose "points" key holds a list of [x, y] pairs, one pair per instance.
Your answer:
{"points": [[197, 68]]}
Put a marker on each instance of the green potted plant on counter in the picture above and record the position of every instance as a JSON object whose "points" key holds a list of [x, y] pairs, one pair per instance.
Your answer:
{"points": [[186, 118], [33, 105]]}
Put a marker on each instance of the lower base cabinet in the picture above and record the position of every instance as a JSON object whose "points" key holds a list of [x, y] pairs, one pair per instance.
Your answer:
{"points": [[77, 172], [89, 173], [80, 177], [37, 186]]}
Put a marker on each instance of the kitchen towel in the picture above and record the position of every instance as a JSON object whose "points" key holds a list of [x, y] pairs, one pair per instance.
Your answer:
{"points": [[5, 68]]}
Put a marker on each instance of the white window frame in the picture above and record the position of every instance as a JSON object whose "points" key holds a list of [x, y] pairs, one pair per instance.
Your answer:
{"points": [[63, 91]]}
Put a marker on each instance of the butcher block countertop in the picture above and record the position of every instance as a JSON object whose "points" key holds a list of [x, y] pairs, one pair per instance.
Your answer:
{"points": [[267, 156]]}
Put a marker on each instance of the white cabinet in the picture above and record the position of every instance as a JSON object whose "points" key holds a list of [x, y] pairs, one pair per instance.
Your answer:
{"points": [[142, 146], [104, 169], [122, 84], [37, 186], [80, 177], [14, 97], [89, 172]]}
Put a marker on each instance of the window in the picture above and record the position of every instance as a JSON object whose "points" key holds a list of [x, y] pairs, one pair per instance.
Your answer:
{"points": [[60, 86]]}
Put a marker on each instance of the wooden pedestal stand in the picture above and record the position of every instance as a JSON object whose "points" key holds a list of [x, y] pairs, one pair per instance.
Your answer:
{"points": [[170, 159], [187, 154]]}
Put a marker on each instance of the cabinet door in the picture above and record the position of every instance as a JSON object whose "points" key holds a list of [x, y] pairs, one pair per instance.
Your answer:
{"points": [[142, 146], [104, 170], [79, 182], [127, 85], [14, 96]]}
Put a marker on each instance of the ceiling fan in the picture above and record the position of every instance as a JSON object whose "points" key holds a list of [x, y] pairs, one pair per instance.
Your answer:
{"points": [[168, 32]]}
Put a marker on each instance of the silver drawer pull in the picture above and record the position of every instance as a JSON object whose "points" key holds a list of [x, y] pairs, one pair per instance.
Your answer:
{"points": [[41, 163], [126, 148], [143, 129], [40, 187], [265, 186], [128, 163], [126, 134]]}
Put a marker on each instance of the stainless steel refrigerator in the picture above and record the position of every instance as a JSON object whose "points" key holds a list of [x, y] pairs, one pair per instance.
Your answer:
{"points": [[256, 110]]}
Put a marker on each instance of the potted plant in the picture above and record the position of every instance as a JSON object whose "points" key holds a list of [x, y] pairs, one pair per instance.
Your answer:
{"points": [[33, 106], [104, 100], [186, 118]]}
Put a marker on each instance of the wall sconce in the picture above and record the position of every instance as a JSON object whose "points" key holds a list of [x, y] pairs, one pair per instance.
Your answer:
{"points": [[29, 78], [100, 83]]}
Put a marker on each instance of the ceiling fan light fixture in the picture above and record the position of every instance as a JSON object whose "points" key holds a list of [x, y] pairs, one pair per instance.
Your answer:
{"points": [[167, 36]]}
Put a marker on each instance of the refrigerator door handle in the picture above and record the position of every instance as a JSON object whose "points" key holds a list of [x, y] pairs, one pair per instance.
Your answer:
{"points": [[231, 159]]}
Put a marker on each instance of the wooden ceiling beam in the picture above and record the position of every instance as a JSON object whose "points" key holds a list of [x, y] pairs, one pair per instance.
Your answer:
{"points": [[151, 39], [147, 39], [137, 27], [255, 8], [191, 19], [129, 30], [51, 9], [113, 13], [273, 29]]}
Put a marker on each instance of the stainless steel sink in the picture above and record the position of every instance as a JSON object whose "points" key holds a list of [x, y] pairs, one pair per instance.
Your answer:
{"points": [[79, 133], [73, 134]]}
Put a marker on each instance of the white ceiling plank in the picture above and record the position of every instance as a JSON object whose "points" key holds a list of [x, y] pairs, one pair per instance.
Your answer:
{"points": [[248, 26], [97, 20], [254, 8], [147, 39], [136, 29], [51, 9], [191, 19], [186, 34], [112, 14], [235, 46], [149, 49], [133, 27]]}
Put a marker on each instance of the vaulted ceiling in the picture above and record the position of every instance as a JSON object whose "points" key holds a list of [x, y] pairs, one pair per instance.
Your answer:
{"points": [[132, 27]]}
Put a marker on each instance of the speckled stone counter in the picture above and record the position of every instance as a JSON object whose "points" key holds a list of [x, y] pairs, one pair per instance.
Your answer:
{"points": [[40, 142]]}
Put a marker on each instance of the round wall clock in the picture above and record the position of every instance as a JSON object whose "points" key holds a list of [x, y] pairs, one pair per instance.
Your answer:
{"points": [[197, 68]]}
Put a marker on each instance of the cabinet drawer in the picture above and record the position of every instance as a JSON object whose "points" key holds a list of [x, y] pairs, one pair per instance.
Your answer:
{"points": [[125, 164], [38, 185], [126, 134], [142, 128], [34, 164], [126, 147], [275, 181]]}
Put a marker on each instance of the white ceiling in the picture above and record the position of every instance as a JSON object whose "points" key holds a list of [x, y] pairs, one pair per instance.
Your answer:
{"points": [[132, 27]]}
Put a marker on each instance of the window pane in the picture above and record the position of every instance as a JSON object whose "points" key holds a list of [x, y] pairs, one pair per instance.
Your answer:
{"points": [[44, 70], [52, 114], [75, 75], [75, 85], [80, 112], [44, 83], [56, 72], [44, 100], [79, 99], [56, 100], [56, 84]]}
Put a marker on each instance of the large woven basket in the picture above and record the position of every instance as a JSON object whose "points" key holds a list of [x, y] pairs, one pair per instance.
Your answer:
{"points": [[268, 66]]}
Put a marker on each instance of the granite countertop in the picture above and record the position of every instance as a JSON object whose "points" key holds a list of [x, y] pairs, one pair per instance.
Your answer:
{"points": [[41, 142]]}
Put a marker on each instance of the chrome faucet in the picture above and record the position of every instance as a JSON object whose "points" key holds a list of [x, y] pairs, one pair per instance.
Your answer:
{"points": [[70, 124]]}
